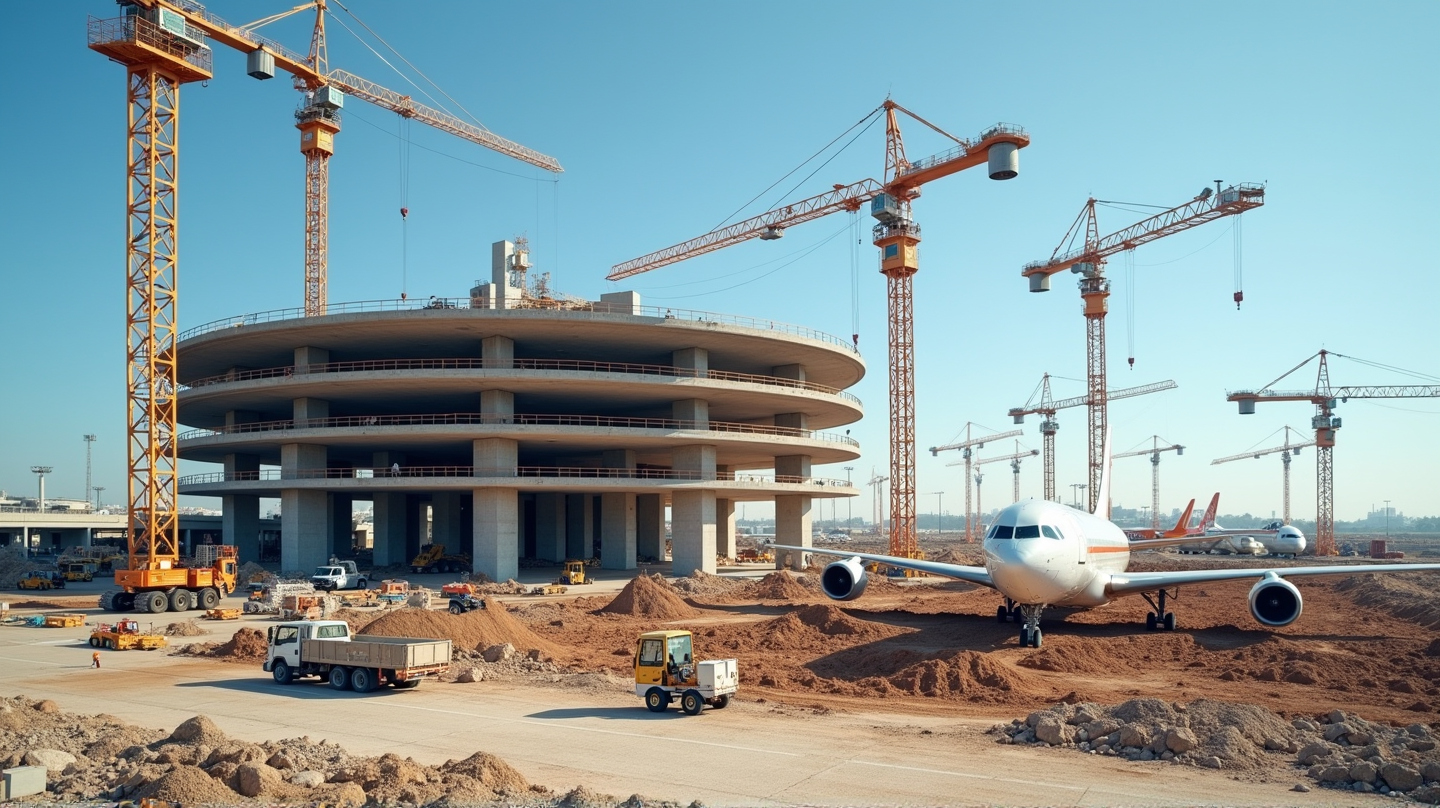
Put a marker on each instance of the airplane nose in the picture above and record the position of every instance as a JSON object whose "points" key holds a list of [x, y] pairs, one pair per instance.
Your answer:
{"points": [[1019, 571]]}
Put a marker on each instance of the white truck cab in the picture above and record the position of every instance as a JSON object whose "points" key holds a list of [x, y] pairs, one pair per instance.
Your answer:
{"points": [[285, 639]]}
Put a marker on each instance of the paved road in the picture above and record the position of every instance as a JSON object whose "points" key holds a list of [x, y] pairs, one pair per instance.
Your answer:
{"points": [[749, 754]]}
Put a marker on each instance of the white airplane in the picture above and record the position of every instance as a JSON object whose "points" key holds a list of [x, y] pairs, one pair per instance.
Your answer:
{"points": [[1277, 538], [1040, 554]]}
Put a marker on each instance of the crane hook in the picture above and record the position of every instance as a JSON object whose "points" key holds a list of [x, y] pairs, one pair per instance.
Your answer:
{"points": [[1239, 296], [404, 212]]}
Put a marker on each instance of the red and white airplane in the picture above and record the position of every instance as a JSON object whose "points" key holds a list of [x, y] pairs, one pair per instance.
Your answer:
{"points": [[1040, 554]]}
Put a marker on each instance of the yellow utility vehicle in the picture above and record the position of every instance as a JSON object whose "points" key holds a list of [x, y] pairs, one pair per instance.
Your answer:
{"points": [[124, 636], [574, 573], [42, 580], [64, 620], [433, 558], [223, 614], [79, 571], [664, 669]]}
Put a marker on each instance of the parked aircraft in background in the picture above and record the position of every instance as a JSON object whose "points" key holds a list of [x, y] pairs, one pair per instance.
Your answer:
{"points": [[1040, 554], [1277, 538], [1181, 528]]}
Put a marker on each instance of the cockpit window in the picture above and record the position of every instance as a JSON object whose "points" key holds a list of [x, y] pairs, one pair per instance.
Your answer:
{"points": [[1050, 532], [1027, 531], [1002, 532]]}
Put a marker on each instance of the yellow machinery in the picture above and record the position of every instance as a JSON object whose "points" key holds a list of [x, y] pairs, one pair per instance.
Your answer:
{"points": [[433, 558], [664, 667], [125, 636], [223, 614], [574, 573], [64, 620], [41, 579], [79, 571], [547, 589], [155, 582]]}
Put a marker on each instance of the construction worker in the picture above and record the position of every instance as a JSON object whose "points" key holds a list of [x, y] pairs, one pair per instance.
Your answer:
{"points": [[95, 660]]}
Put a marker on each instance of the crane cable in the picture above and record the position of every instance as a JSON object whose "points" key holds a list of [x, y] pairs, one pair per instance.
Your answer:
{"points": [[855, 278], [1130, 304], [403, 139], [1239, 293]]}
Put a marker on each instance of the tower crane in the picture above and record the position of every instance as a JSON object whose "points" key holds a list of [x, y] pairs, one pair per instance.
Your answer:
{"points": [[1047, 407], [875, 482], [1326, 423], [1014, 459], [163, 45], [1088, 261], [967, 447], [1287, 451], [897, 236], [1154, 453]]}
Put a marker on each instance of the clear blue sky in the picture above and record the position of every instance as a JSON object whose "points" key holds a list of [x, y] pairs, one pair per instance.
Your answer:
{"points": [[667, 117]]}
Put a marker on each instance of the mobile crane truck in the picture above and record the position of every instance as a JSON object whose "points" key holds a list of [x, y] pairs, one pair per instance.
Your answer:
{"points": [[154, 581], [325, 648]]}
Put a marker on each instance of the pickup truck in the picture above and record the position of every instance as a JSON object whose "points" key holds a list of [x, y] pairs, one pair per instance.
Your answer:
{"points": [[325, 648], [338, 575]]}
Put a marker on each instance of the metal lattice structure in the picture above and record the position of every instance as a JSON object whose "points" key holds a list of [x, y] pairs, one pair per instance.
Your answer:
{"points": [[1287, 451], [1154, 454], [1088, 261], [967, 447], [1014, 459]]}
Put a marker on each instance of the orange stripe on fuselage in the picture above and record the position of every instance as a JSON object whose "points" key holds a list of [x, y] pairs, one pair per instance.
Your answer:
{"points": [[1113, 549]]}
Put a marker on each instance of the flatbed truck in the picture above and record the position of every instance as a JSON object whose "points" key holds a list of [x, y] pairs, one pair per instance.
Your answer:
{"points": [[326, 649]]}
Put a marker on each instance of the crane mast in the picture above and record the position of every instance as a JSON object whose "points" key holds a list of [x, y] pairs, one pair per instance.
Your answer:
{"points": [[1287, 451], [1154, 454], [967, 447], [1014, 459], [1088, 262]]}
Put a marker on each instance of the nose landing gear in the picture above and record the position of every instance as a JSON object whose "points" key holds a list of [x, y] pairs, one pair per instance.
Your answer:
{"points": [[1030, 635]]}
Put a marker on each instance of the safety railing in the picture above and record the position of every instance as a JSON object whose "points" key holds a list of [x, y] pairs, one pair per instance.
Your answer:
{"points": [[138, 30], [475, 363], [470, 472], [595, 310], [496, 419]]}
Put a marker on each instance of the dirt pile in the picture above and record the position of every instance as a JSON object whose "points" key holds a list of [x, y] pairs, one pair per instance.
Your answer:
{"points": [[781, 585], [247, 646], [476, 630], [357, 618], [816, 628], [650, 596], [1408, 597], [185, 628], [706, 586]]}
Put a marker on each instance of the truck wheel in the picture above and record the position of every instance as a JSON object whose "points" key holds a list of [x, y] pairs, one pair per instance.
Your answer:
{"points": [[691, 702], [362, 680], [209, 598], [122, 602], [94, 642], [282, 673], [407, 684], [339, 678], [721, 702], [657, 700], [362, 584], [152, 602], [181, 600]]}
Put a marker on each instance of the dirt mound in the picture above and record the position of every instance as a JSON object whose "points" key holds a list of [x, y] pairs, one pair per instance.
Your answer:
{"points": [[357, 618], [650, 596], [818, 627], [188, 785], [492, 773], [703, 584], [476, 630], [969, 674], [1104, 655], [781, 585], [247, 646], [1408, 597], [185, 628]]}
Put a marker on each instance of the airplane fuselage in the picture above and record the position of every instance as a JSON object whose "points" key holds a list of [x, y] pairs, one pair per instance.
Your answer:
{"points": [[1041, 552]]}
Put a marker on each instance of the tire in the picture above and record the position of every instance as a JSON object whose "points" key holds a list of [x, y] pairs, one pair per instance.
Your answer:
{"points": [[362, 584], [1169, 621], [181, 600], [362, 680], [455, 608], [340, 678], [1024, 638], [282, 673], [408, 684], [1150, 622], [1037, 638], [94, 642], [207, 598], [691, 702], [1002, 614], [721, 702], [657, 700], [107, 601], [152, 602], [122, 602], [109, 644]]}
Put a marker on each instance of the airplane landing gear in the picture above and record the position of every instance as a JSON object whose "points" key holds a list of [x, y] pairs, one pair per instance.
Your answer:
{"points": [[1009, 611], [1030, 634], [1159, 618]]}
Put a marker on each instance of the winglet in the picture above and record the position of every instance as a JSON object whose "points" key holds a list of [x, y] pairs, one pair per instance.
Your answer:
{"points": [[1208, 520], [1102, 497], [1184, 524]]}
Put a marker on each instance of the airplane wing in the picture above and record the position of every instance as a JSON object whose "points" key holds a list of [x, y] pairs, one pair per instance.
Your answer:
{"points": [[1129, 583], [960, 572], [1174, 541]]}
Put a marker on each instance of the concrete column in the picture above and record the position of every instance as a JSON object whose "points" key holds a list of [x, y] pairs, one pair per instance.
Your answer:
{"points": [[497, 532], [498, 352], [650, 527], [792, 466], [617, 531], [579, 526], [240, 513], [696, 359], [692, 531], [620, 303], [696, 457], [445, 520], [796, 372], [388, 521], [792, 420], [693, 413], [618, 459], [341, 535], [498, 406], [304, 513], [550, 515], [307, 410], [725, 527], [308, 355], [792, 527], [238, 417]]}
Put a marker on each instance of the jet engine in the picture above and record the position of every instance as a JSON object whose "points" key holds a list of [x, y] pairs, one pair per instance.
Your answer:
{"points": [[844, 580], [1275, 601]]}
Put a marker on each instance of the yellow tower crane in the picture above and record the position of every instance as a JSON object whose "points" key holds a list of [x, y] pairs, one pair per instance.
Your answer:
{"points": [[967, 447], [1286, 451], [164, 45], [1154, 454]]}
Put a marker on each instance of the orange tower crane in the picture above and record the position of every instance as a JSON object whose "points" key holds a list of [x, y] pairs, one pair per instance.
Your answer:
{"points": [[1046, 406], [1326, 423], [164, 45], [898, 237], [1154, 453], [1014, 459], [1088, 261], [1287, 451], [967, 448]]}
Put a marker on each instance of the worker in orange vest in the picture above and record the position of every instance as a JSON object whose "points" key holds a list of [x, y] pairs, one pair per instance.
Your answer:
{"points": [[95, 660]]}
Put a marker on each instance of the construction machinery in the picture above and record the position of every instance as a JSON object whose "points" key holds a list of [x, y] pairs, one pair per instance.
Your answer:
{"points": [[164, 46], [1088, 261], [1015, 459], [125, 635], [41, 580], [664, 668], [338, 575], [392, 591], [1154, 454], [967, 447], [326, 649], [1326, 423], [156, 583], [574, 573], [433, 558], [547, 589], [754, 555], [222, 614], [78, 571], [1286, 451], [462, 602], [897, 236], [1041, 403], [64, 620]]}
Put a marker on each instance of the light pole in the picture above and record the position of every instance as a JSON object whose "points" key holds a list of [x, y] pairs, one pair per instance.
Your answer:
{"points": [[98, 489], [1075, 488], [89, 439], [848, 500], [41, 471], [939, 509], [1387, 520]]}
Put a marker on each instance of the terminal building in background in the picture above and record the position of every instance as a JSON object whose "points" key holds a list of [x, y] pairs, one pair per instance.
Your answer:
{"points": [[517, 423]]}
